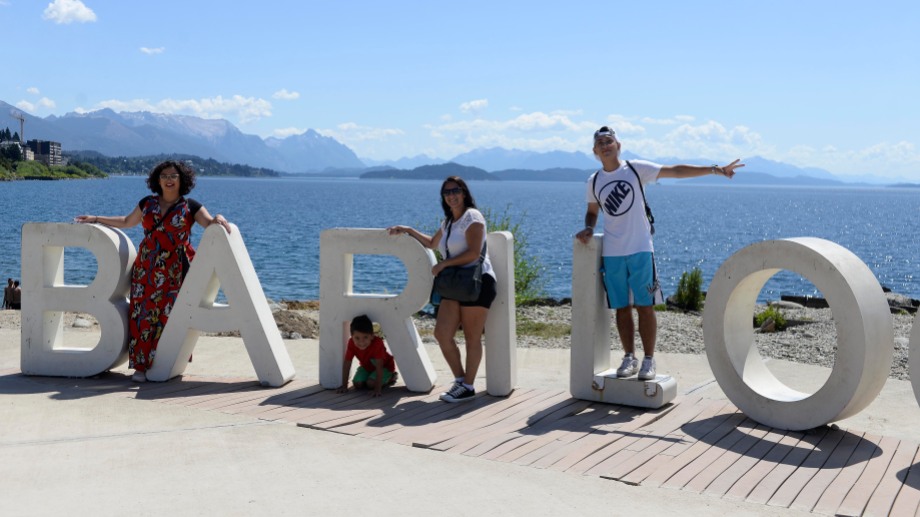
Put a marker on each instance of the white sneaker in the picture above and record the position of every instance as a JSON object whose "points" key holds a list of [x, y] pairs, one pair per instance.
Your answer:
{"points": [[139, 377], [628, 366], [647, 372]]}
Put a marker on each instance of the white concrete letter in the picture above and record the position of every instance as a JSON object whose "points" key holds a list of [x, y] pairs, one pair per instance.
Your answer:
{"points": [[913, 357], [590, 320], [590, 374], [501, 325], [865, 336], [222, 261], [45, 298], [338, 304]]}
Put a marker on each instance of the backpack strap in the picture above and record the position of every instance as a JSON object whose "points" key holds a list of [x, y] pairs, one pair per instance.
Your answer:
{"points": [[648, 209], [594, 186]]}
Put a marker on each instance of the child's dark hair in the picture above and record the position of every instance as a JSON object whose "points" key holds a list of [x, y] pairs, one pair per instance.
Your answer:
{"points": [[362, 324]]}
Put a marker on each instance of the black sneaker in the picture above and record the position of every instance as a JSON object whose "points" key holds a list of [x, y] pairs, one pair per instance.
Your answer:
{"points": [[458, 393]]}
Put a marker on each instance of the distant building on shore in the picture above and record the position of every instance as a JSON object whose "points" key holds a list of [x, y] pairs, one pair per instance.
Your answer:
{"points": [[46, 151], [24, 151]]}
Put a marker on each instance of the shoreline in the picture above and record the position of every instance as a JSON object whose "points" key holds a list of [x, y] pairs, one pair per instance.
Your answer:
{"points": [[812, 339]]}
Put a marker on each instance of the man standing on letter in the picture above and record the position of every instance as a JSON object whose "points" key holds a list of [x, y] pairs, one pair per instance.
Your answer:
{"points": [[628, 252]]}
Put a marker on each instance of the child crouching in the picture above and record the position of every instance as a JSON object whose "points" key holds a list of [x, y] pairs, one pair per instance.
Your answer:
{"points": [[376, 367]]}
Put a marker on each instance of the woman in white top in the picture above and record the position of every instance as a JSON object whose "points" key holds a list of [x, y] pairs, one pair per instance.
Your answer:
{"points": [[465, 230]]}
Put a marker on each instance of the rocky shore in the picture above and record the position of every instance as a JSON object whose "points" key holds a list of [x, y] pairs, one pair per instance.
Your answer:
{"points": [[811, 337]]}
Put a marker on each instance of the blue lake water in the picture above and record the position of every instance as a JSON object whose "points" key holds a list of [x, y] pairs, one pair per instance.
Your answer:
{"points": [[697, 226]]}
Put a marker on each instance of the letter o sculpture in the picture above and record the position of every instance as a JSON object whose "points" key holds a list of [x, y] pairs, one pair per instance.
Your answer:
{"points": [[865, 335], [913, 357]]}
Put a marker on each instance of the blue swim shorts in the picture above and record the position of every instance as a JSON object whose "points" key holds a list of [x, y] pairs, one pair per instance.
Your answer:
{"points": [[631, 280]]}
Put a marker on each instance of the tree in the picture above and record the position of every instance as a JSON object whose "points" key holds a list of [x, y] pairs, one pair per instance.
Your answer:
{"points": [[11, 152]]}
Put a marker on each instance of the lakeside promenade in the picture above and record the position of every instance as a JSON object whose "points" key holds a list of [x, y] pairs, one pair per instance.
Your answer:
{"points": [[106, 446]]}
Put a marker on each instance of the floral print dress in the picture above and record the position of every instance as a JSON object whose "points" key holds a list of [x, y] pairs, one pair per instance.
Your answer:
{"points": [[156, 277]]}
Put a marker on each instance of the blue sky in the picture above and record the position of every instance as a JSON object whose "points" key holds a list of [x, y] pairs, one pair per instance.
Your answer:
{"points": [[830, 84]]}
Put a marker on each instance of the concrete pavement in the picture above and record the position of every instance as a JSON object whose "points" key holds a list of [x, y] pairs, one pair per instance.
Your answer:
{"points": [[70, 452]]}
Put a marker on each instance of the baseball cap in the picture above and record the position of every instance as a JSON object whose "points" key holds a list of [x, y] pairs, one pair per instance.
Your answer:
{"points": [[604, 131]]}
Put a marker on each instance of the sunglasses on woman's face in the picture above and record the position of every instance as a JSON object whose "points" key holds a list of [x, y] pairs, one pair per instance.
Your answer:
{"points": [[456, 191]]}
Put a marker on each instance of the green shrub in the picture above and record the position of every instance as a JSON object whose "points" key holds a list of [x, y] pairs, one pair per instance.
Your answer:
{"points": [[528, 285], [774, 313], [689, 295]]}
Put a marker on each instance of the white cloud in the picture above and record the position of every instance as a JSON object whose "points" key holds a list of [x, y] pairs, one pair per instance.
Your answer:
{"points": [[707, 140], [536, 131], [243, 109], [68, 11], [285, 95], [527, 122], [883, 159], [26, 106], [624, 126], [474, 106], [152, 51], [33, 90], [351, 133], [45, 102]]}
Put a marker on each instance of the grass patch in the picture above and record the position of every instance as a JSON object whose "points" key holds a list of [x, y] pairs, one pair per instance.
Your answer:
{"points": [[542, 329]]}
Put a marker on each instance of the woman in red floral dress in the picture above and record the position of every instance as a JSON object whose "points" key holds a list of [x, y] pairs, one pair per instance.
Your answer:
{"points": [[163, 257]]}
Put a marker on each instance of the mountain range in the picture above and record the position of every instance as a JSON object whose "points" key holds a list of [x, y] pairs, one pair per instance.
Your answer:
{"points": [[144, 133]]}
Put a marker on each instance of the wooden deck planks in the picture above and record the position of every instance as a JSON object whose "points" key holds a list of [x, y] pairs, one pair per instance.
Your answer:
{"points": [[727, 451], [686, 465], [748, 482], [802, 485], [696, 444], [640, 452], [835, 493], [882, 500], [768, 486], [575, 455], [856, 501], [905, 503]]}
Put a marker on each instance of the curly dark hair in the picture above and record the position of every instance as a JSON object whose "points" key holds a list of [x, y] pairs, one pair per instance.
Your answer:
{"points": [[186, 177], [468, 200], [362, 324]]}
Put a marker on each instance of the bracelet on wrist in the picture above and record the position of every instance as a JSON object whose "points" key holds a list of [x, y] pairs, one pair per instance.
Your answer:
{"points": [[716, 169]]}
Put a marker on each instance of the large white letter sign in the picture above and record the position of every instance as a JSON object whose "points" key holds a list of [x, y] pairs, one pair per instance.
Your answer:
{"points": [[913, 357], [590, 350], [222, 261], [865, 336], [45, 298], [501, 325], [590, 374], [338, 304]]}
